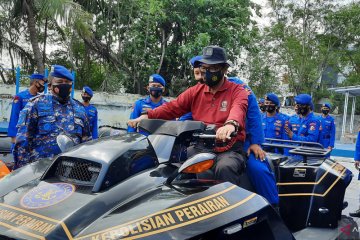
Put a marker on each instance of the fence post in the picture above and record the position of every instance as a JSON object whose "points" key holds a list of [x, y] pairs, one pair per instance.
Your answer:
{"points": [[17, 79]]}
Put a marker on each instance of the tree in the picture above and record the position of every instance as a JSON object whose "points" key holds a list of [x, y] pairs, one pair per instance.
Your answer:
{"points": [[31, 12], [299, 41]]}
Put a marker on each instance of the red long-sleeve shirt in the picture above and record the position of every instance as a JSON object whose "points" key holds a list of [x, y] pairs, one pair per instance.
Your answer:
{"points": [[228, 103]]}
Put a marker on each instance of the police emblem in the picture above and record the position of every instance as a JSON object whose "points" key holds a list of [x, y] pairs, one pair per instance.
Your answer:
{"points": [[47, 195], [16, 99]]}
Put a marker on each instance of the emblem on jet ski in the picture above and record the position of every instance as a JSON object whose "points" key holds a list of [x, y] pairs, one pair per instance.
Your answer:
{"points": [[47, 195]]}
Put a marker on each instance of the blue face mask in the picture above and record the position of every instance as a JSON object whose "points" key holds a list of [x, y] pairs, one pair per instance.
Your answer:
{"points": [[213, 78], [156, 91]]}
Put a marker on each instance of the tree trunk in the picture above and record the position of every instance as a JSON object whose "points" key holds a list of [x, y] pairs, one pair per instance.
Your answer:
{"points": [[163, 47], [33, 35], [45, 38], [13, 78], [2, 75]]}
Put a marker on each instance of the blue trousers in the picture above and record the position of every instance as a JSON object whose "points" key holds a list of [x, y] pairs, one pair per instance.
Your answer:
{"points": [[262, 178]]}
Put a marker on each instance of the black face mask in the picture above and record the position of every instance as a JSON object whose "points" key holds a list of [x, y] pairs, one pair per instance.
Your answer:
{"points": [[325, 112], [297, 111], [86, 99], [213, 78], [270, 108], [40, 87], [304, 110], [64, 91], [263, 108], [156, 92]]}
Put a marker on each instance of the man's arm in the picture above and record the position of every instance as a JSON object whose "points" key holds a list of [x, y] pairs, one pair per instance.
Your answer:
{"points": [[86, 133], [175, 108], [357, 149], [135, 114], [14, 117], [26, 129], [332, 133], [313, 133], [239, 106], [95, 133], [254, 121]]}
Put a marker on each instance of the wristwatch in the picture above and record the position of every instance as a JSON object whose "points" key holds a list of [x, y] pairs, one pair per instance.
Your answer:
{"points": [[234, 123], [144, 113]]}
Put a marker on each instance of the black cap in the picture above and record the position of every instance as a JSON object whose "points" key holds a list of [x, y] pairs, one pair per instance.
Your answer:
{"points": [[214, 55]]}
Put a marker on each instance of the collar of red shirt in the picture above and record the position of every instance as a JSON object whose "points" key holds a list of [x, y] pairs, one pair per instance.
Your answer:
{"points": [[222, 88]]}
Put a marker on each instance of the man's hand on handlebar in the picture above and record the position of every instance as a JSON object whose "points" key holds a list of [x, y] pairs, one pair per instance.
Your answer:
{"points": [[258, 152], [223, 133], [134, 122]]}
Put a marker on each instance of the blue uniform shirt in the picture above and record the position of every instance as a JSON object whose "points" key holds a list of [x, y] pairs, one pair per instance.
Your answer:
{"points": [[143, 105], [357, 151], [92, 115], [327, 131], [274, 126], [254, 132], [186, 116], [284, 116], [19, 102], [309, 129], [41, 121]]}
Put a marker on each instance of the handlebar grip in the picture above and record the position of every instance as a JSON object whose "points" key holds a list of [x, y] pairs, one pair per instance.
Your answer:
{"points": [[209, 136]]}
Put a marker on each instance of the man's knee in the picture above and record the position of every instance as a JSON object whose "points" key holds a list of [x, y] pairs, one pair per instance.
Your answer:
{"points": [[230, 161]]}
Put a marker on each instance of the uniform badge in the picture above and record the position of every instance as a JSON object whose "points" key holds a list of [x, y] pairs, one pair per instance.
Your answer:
{"points": [[223, 107], [312, 128], [151, 79], [16, 99], [47, 195]]}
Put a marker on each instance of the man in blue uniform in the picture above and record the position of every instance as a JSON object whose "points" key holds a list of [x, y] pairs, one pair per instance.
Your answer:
{"points": [[309, 125], [257, 168], [37, 82], [294, 121], [357, 166], [194, 62], [47, 116], [273, 123], [156, 88], [91, 111], [262, 106], [327, 128]]}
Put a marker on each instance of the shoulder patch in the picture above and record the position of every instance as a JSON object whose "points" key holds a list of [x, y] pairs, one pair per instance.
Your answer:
{"points": [[16, 99]]}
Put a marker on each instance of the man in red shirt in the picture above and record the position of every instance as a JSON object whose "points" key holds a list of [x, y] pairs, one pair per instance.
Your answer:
{"points": [[218, 102]]}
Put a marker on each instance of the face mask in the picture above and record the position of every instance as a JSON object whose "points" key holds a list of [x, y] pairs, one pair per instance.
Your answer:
{"points": [[40, 87], [325, 112], [270, 108], [213, 78], [64, 90], [156, 92], [303, 110], [263, 108], [86, 99]]}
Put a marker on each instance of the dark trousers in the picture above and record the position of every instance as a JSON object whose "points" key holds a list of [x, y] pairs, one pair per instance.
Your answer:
{"points": [[228, 166]]}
